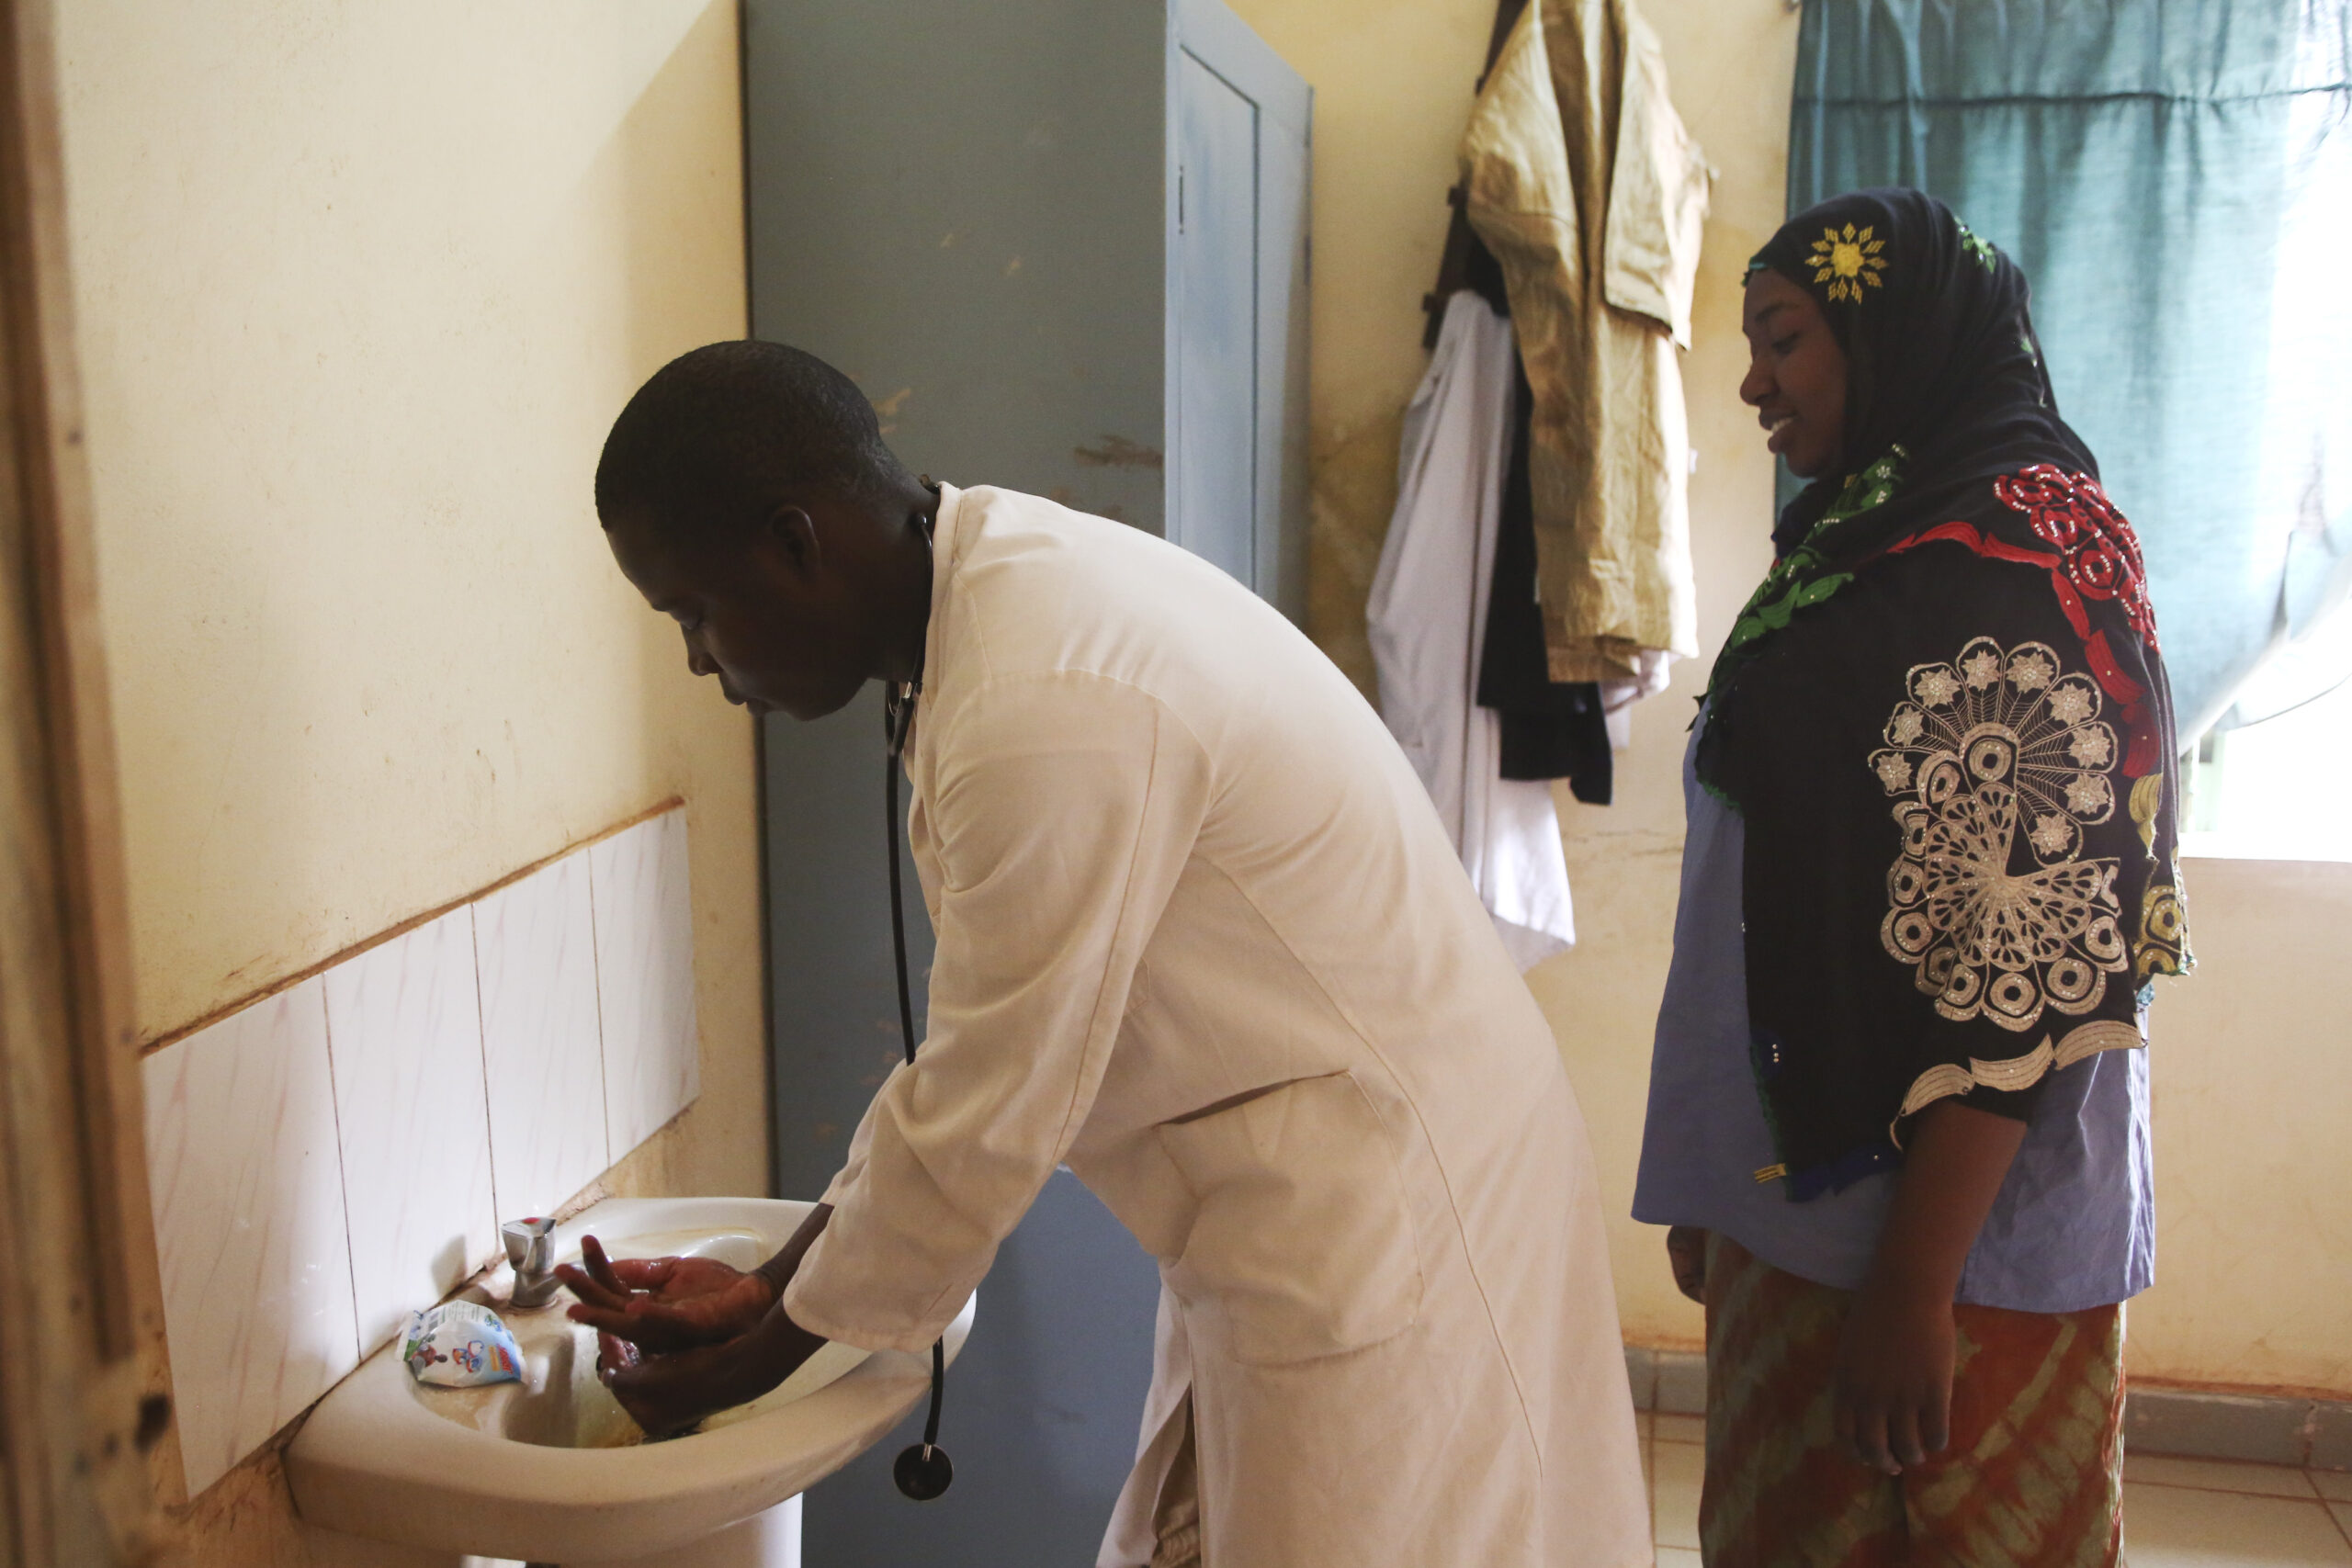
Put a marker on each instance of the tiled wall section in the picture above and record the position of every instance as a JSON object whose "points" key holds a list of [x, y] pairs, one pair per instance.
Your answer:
{"points": [[338, 1154]]}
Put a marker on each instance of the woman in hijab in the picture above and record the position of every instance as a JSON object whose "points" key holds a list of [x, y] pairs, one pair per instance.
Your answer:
{"points": [[1898, 1107]]}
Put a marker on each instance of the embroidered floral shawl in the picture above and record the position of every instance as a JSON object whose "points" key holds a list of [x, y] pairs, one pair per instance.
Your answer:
{"points": [[1943, 719]]}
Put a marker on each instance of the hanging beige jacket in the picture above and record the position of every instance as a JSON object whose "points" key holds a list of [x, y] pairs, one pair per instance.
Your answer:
{"points": [[1203, 939], [1582, 181]]}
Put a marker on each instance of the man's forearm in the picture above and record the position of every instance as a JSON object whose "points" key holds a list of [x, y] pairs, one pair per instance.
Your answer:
{"points": [[778, 1270], [1958, 1159], [774, 1351]]}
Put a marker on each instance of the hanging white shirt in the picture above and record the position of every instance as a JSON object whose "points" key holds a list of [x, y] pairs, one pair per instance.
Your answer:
{"points": [[1202, 939], [1428, 621]]}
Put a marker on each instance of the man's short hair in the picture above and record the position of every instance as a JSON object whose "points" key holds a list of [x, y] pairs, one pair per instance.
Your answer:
{"points": [[719, 434]]}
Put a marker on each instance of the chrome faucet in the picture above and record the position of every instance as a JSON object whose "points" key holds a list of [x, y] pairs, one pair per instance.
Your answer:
{"points": [[530, 1247]]}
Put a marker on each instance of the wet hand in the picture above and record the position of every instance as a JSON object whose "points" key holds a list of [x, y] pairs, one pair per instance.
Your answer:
{"points": [[665, 1305], [668, 1394], [1892, 1391]]}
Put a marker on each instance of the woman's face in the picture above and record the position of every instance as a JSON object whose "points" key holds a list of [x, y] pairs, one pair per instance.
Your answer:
{"points": [[1796, 375]]}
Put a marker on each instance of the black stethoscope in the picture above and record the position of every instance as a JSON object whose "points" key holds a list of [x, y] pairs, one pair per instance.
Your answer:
{"points": [[922, 1472]]}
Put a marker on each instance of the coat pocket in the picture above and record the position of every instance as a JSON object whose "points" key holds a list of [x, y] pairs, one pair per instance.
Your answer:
{"points": [[1302, 1244]]}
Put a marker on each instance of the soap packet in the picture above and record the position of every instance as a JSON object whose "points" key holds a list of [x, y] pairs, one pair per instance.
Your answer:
{"points": [[460, 1344]]}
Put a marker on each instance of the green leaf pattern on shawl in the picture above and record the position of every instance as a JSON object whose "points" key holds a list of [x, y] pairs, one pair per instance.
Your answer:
{"points": [[1798, 580]]}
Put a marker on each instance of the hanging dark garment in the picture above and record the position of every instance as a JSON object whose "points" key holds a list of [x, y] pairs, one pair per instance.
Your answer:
{"points": [[1550, 729]]}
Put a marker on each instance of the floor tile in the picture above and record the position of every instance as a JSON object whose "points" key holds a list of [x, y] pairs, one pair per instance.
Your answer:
{"points": [[2343, 1512], [242, 1177], [1681, 1382], [2333, 1484], [1678, 1471], [2217, 1475], [2171, 1527], [1678, 1557], [1681, 1428]]}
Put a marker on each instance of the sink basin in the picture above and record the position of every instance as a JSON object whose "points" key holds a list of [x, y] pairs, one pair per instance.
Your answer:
{"points": [[551, 1467]]}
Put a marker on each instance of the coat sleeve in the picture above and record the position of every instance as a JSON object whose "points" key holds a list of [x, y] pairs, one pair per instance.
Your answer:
{"points": [[1064, 808], [1658, 196]]}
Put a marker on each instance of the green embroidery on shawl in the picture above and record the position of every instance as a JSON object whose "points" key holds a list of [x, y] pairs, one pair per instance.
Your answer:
{"points": [[1979, 247], [1797, 581]]}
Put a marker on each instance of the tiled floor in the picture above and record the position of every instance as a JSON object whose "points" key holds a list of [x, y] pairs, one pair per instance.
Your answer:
{"points": [[2178, 1513]]}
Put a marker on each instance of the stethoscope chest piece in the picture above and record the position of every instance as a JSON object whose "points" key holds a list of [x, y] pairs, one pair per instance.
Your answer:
{"points": [[922, 1472]]}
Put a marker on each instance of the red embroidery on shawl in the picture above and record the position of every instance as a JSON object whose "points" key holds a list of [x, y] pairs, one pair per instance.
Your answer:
{"points": [[2141, 756], [2071, 512]]}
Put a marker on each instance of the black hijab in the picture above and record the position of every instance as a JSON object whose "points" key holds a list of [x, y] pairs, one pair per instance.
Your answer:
{"points": [[1942, 718]]}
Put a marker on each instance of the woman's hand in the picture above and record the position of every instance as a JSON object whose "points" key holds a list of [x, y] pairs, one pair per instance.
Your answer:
{"points": [[1892, 1393], [1893, 1385], [665, 1304], [1686, 1254]]}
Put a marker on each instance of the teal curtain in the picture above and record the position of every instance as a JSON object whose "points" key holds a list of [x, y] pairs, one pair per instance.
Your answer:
{"points": [[2144, 161]]}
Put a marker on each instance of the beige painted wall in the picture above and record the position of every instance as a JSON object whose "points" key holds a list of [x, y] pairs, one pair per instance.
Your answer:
{"points": [[360, 289], [2255, 1254]]}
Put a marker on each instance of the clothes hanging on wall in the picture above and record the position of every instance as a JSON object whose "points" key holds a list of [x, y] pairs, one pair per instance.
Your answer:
{"points": [[1426, 619], [1573, 152]]}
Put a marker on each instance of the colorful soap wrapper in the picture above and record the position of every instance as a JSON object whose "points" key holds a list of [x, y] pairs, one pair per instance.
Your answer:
{"points": [[460, 1344]]}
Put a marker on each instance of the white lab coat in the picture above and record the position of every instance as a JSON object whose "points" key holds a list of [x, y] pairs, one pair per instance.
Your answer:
{"points": [[1200, 937], [1428, 624]]}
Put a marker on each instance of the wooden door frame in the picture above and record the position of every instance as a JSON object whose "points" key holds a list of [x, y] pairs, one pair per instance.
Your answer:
{"points": [[81, 1362]]}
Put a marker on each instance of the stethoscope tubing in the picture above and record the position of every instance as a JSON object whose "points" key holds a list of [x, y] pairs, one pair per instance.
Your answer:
{"points": [[922, 1473]]}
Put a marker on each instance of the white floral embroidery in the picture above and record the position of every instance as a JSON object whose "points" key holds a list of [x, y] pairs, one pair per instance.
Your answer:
{"points": [[2088, 797], [2051, 832], [2091, 748], [2026, 749], [2072, 704]]}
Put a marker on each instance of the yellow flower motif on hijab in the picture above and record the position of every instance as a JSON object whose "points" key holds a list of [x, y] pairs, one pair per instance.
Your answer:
{"points": [[1845, 261]]}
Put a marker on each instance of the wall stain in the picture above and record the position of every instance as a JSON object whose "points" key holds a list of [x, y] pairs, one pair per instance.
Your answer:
{"points": [[1118, 452], [1351, 490]]}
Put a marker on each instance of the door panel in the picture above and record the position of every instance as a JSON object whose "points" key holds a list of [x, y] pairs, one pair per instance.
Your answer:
{"points": [[1239, 146], [1217, 346], [1284, 255]]}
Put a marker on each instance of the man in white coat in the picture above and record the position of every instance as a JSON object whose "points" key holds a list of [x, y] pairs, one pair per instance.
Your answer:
{"points": [[1200, 937]]}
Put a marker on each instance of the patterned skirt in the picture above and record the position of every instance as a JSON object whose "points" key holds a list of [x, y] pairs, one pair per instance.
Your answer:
{"points": [[2032, 1477]]}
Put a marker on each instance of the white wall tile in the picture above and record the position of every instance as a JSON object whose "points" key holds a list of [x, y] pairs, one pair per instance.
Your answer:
{"points": [[242, 1166], [645, 978], [542, 1051], [404, 1032]]}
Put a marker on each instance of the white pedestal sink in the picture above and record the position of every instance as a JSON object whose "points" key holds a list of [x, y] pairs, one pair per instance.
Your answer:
{"points": [[550, 1470]]}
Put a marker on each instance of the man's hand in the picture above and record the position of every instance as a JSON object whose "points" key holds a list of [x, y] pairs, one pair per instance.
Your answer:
{"points": [[668, 1394], [665, 1304], [1686, 1254], [1892, 1391]]}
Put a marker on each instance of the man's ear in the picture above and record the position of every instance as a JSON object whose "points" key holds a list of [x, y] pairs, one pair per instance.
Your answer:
{"points": [[791, 533]]}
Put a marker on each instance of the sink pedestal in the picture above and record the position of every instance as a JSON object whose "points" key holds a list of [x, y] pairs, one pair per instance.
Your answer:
{"points": [[764, 1540]]}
